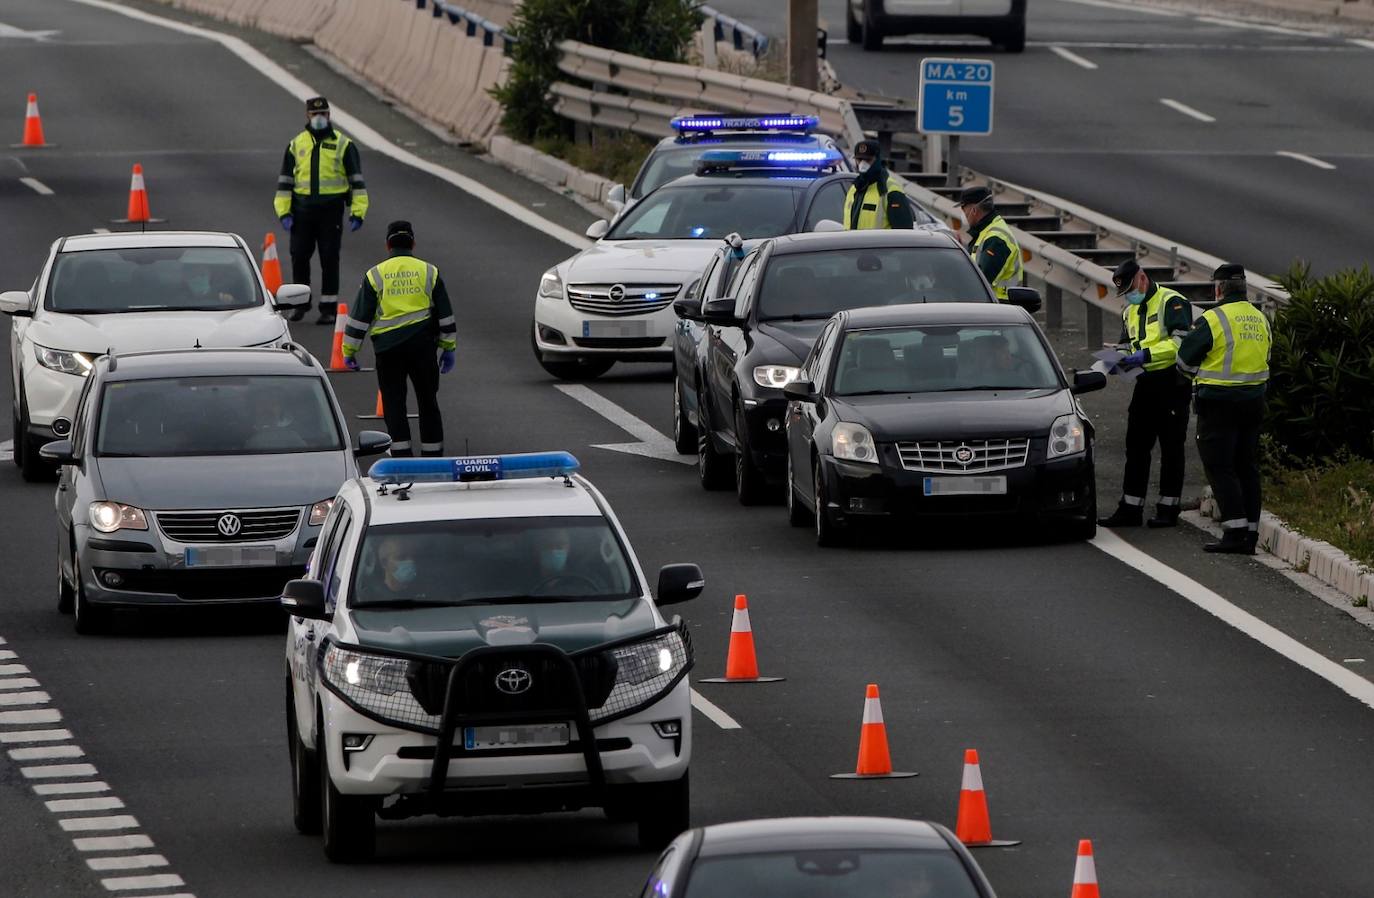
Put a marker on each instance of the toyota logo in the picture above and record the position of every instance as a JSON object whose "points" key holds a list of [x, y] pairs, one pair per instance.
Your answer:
{"points": [[617, 293], [229, 525], [963, 455], [514, 681]]}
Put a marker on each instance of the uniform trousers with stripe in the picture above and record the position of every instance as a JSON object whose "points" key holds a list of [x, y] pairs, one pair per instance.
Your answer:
{"points": [[1158, 414], [415, 360], [317, 225], [1228, 438]]}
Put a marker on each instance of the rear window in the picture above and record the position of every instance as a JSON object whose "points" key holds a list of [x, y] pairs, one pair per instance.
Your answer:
{"points": [[830, 873], [941, 358], [819, 284], [153, 279], [709, 209]]}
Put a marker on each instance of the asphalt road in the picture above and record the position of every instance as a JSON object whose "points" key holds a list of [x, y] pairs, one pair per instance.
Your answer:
{"points": [[1095, 130], [1103, 704]]}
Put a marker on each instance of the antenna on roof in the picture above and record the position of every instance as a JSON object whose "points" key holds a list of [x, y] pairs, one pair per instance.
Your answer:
{"points": [[109, 351], [197, 346]]}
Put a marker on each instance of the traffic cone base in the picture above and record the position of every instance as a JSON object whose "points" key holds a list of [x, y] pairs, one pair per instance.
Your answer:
{"points": [[741, 665], [875, 762]]}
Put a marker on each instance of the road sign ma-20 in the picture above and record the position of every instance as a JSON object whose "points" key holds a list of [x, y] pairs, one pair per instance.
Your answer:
{"points": [[956, 96]]}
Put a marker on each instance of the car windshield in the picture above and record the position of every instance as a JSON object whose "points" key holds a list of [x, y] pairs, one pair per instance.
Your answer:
{"points": [[153, 279], [239, 415], [819, 284], [492, 560], [943, 358], [671, 163], [709, 209], [831, 873]]}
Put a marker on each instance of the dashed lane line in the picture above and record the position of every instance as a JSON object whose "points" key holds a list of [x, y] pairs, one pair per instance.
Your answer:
{"points": [[37, 186], [58, 771], [1073, 58], [651, 443], [35, 736], [1186, 110], [84, 805], [98, 824], [129, 883], [70, 788], [128, 862], [1362, 42], [1123, 7], [18, 683], [713, 713], [46, 753], [1257, 26], [1310, 160], [112, 843]]}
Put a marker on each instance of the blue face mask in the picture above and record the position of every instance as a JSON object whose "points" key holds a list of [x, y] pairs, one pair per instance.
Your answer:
{"points": [[553, 559], [404, 571], [1135, 297]]}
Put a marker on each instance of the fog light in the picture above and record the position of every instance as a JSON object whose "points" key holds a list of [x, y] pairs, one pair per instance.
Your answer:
{"points": [[774, 424], [112, 579], [549, 335], [61, 427], [668, 729], [356, 741]]}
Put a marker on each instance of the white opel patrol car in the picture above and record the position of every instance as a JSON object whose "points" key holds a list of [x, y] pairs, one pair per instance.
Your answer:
{"points": [[477, 637]]}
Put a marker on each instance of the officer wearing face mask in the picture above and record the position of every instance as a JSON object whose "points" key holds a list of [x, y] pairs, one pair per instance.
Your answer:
{"points": [[1153, 323], [397, 567], [321, 177], [873, 200], [991, 243]]}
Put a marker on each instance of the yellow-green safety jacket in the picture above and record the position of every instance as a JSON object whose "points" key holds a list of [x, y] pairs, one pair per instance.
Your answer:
{"points": [[397, 299], [1009, 275], [321, 167]]}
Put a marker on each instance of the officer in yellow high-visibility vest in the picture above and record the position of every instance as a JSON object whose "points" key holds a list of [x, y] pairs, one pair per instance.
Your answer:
{"points": [[1153, 323], [321, 177], [874, 201], [991, 243], [1227, 355], [404, 304]]}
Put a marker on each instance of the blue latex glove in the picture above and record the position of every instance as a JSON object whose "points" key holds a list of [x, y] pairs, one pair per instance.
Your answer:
{"points": [[1134, 360], [354, 222], [447, 359], [351, 362], [287, 221]]}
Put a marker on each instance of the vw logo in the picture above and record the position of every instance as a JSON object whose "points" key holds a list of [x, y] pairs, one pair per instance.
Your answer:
{"points": [[229, 525], [963, 455], [514, 681], [617, 293]]}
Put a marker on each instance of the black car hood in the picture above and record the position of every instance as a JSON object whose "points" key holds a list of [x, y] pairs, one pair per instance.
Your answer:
{"points": [[450, 632], [775, 338], [952, 416]]}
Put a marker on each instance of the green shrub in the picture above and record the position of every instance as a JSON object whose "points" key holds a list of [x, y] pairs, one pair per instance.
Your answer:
{"points": [[655, 29], [1321, 386]]}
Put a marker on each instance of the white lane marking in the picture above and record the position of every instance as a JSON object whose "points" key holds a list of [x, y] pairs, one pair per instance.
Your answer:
{"points": [[21, 34], [12, 699], [12, 669], [96, 824], [35, 736], [157, 881], [72, 805], [1073, 58], [70, 788], [7, 655], [18, 683], [1186, 110], [1256, 26], [100, 230], [1310, 160], [652, 444], [58, 771], [1352, 660], [1148, 10], [112, 843], [46, 753], [42, 715], [37, 186], [356, 128], [1362, 42], [1350, 683], [713, 713], [126, 862]]}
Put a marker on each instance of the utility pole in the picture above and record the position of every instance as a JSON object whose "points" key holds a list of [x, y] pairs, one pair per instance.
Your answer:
{"points": [[803, 23]]}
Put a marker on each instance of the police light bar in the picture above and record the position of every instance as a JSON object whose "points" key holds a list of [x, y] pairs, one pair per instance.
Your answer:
{"points": [[685, 124], [473, 468], [723, 159]]}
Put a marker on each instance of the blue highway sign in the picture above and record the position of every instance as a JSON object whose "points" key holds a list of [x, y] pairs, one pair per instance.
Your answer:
{"points": [[955, 96]]}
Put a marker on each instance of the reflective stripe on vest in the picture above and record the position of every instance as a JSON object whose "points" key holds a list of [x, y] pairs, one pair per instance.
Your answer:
{"points": [[405, 288], [1010, 275], [873, 210], [1163, 349], [333, 180], [1240, 346]]}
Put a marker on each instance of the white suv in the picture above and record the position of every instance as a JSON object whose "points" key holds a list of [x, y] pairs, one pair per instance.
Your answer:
{"points": [[128, 293], [478, 638], [1003, 22]]}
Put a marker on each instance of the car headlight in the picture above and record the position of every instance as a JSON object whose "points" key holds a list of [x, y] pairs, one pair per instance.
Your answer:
{"points": [[853, 442], [776, 376], [319, 511], [645, 670], [374, 684], [551, 285], [107, 517], [1067, 436], [78, 363]]}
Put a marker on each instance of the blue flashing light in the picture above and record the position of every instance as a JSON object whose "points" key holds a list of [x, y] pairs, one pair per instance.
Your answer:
{"points": [[776, 122], [780, 159], [698, 231], [473, 468]]}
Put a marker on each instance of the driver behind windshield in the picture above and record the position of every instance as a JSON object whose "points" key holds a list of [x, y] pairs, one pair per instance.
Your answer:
{"points": [[395, 571]]}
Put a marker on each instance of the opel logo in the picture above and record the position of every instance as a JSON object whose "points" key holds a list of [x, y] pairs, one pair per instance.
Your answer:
{"points": [[229, 525], [617, 293], [514, 681], [963, 455]]}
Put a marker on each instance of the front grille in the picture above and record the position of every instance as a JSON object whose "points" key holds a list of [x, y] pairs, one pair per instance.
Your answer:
{"points": [[634, 299], [210, 585], [550, 688], [618, 342], [963, 456], [203, 526]]}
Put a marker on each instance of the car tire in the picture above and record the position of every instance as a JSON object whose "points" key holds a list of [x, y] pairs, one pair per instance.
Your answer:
{"points": [[713, 469], [32, 467], [797, 514], [872, 37], [684, 431], [348, 822], [66, 595], [575, 369], [827, 534], [305, 773], [749, 484], [664, 812], [1013, 39], [87, 619], [1086, 529], [853, 28]]}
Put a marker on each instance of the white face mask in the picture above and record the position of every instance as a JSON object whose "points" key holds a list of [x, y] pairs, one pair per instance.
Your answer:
{"points": [[863, 165], [319, 122]]}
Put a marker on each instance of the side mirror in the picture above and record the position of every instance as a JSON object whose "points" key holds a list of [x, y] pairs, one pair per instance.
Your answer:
{"points": [[372, 442], [678, 583], [720, 311], [800, 390], [16, 302], [304, 598], [826, 225], [687, 308], [1088, 382], [1027, 298], [597, 229], [289, 296], [615, 197], [58, 452]]}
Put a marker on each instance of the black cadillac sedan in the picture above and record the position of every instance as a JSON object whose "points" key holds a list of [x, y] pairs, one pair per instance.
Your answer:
{"points": [[942, 410]]}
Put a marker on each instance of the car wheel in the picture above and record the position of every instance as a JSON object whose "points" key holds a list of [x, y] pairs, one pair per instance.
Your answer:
{"points": [[712, 469], [853, 28], [305, 772], [797, 514], [872, 37], [32, 466], [574, 369], [66, 595], [1086, 529], [1013, 39], [827, 534], [348, 821], [749, 485], [664, 812], [684, 431], [87, 619]]}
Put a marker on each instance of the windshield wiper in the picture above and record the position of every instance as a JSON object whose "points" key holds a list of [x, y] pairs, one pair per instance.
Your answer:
{"points": [[875, 393], [122, 455], [795, 317], [399, 604], [989, 387]]}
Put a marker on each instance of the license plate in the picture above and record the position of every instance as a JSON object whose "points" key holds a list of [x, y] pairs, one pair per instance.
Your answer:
{"points": [[231, 556], [540, 736], [634, 328], [966, 486]]}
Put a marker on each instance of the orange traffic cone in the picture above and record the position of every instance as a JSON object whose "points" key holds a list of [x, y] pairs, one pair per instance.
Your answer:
{"points": [[874, 760], [1084, 872], [138, 201], [336, 356], [741, 666], [33, 126], [973, 827], [379, 415], [271, 264]]}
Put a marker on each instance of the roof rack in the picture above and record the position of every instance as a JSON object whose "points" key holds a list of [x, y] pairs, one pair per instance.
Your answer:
{"points": [[299, 352]]}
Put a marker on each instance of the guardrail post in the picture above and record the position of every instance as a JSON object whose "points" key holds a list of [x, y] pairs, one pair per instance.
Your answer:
{"points": [[1093, 326], [932, 160], [1054, 307]]}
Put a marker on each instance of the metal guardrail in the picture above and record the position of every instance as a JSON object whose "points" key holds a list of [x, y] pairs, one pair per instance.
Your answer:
{"points": [[491, 31], [738, 32]]}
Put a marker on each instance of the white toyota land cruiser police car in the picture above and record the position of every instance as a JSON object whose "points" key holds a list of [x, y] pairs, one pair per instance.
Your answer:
{"points": [[477, 637]]}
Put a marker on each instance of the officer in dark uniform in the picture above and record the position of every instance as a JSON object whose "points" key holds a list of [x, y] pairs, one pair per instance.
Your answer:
{"points": [[874, 200], [1227, 355], [321, 177], [1153, 323]]}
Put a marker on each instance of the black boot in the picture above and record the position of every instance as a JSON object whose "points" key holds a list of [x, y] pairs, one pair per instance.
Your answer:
{"points": [[297, 314], [1165, 516], [1124, 516], [327, 315], [1252, 540], [1234, 541]]}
